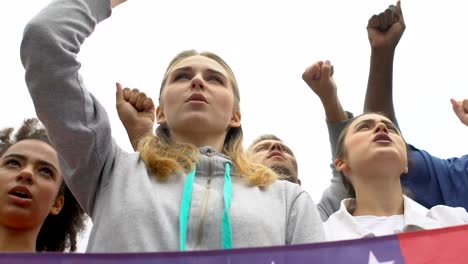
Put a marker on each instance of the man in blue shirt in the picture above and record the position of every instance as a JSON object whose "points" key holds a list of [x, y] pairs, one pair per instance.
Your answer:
{"points": [[431, 180]]}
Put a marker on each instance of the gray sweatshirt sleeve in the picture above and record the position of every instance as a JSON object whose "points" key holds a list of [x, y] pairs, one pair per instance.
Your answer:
{"points": [[337, 191], [76, 123], [304, 223]]}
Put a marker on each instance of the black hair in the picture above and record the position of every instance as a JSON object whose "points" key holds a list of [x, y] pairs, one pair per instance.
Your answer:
{"points": [[58, 232]]}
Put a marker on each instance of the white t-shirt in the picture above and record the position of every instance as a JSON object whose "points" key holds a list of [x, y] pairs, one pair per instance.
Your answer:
{"points": [[342, 225], [381, 225]]}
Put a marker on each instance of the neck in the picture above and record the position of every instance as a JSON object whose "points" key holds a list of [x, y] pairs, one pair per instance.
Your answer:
{"points": [[378, 195], [15, 240], [202, 140]]}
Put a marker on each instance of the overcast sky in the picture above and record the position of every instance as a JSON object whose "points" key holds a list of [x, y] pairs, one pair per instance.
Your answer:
{"points": [[268, 44]]}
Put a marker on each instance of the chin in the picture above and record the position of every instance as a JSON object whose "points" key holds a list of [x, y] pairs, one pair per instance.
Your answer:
{"points": [[19, 222], [198, 125], [386, 154], [281, 169], [192, 123]]}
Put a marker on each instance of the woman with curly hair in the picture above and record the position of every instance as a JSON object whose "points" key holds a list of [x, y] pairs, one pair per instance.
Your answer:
{"points": [[37, 210]]}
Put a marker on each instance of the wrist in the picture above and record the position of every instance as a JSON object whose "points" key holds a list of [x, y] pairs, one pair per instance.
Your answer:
{"points": [[388, 51], [138, 132], [330, 100], [334, 112]]}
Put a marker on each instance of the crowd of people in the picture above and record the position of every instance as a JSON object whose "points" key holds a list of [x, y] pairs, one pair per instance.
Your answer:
{"points": [[189, 184]]}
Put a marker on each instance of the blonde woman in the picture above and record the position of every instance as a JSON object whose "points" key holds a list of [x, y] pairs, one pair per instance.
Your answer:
{"points": [[190, 187]]}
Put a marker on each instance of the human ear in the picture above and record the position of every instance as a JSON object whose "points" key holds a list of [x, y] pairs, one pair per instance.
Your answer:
{"points": [[58, 205], [160, 117], [341, 165], [235, 120]]}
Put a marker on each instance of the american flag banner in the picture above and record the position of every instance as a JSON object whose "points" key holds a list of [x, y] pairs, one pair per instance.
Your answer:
{"points": [[445, 245]]}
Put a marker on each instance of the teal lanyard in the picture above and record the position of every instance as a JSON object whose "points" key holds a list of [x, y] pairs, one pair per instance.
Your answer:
{"points": [[226, 229]]}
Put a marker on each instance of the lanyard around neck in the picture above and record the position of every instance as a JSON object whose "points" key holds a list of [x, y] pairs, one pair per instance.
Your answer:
{"points": [[184, 215]]}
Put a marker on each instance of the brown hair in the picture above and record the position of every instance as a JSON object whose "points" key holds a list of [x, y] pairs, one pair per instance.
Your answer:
{"points": [[165, 157], [341, 152], [58, 232]]}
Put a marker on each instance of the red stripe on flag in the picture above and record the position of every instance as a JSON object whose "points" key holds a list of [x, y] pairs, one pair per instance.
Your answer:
{"points": [[444, 245]]}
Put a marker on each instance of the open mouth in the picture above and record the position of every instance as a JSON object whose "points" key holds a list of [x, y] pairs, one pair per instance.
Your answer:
{"points": [[382, 137], [20, 195], [197, 97], [20, 192]]}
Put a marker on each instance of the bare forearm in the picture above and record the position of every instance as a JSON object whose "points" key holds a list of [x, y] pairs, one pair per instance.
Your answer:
{"points": [[379, 95], [115, 3], [333, 110], [136, 134]]}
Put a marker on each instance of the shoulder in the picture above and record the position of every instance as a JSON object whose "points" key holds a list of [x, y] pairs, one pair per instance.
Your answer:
{"points": [[289, 193], [286, 188], [448, 216], [341, 225]]}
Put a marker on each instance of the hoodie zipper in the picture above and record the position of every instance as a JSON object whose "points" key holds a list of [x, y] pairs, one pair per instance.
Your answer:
{"points": [[205, 198]]}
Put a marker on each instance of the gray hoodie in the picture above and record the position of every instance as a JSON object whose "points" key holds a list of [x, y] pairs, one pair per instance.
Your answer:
{"points": [[130, 209]]}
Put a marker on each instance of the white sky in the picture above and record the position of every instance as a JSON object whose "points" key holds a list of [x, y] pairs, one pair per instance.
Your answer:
{"points": [[269, 44]]}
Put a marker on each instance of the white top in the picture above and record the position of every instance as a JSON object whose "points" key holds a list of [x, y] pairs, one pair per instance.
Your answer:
{"points": [[381, 225], [342, 225]]}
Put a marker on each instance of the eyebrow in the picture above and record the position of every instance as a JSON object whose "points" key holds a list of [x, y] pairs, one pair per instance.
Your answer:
{"points": [[215, 72], [40, 162], [189, 68]]}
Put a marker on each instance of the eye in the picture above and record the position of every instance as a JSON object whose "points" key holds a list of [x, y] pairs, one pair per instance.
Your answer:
{"points": [[214, 78], [392, 128], [12, 163], [182, 76], [260, 148], [363, 127], [288, 151], [46, 171]]}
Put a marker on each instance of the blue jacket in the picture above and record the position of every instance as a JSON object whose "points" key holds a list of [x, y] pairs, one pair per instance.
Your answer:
{"points": [[435, 181]]}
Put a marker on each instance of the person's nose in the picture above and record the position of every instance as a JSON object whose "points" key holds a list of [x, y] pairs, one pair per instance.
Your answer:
{"points": [[381, 127], [276, 146], [198, 83], [26, 175]]}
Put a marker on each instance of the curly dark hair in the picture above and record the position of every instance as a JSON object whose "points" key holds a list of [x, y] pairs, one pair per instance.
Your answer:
{"points": [[58, 232]]}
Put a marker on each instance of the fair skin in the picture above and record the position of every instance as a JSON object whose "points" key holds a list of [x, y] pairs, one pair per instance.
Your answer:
{"points": [[374, 160], [115, 3], [30, 179], [277, 156], [460, 108], [136, 111], [319, 77], [197, 104]]}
